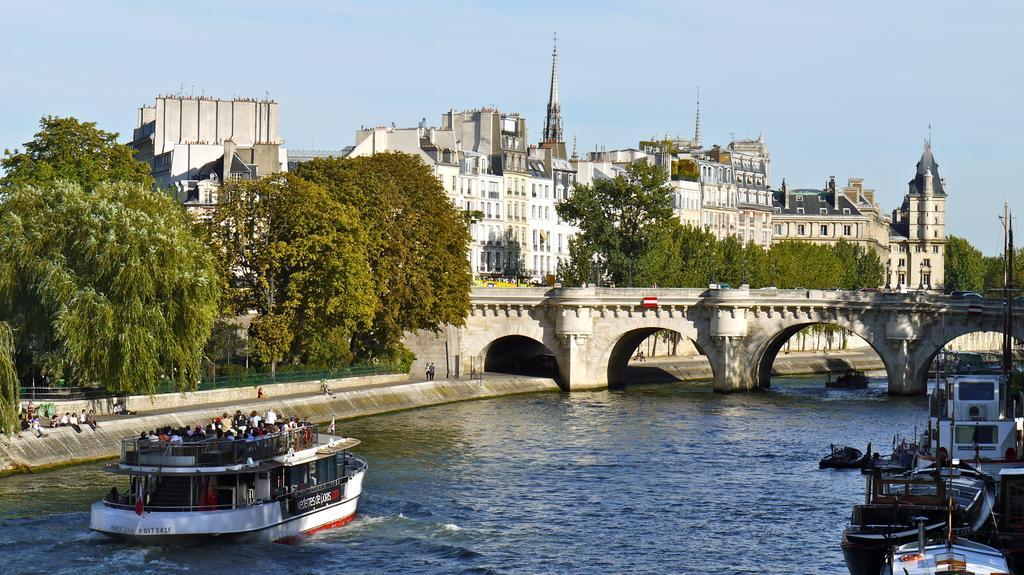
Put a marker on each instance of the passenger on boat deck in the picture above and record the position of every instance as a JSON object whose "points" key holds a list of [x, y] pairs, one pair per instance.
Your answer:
{"points": [[271, 416], [254, 419]]}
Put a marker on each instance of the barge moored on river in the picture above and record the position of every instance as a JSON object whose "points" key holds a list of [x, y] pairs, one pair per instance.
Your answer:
{"points": [[268, 488]]}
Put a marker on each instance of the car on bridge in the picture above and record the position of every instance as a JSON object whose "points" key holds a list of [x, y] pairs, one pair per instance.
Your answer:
{"points": [[965, 295]]}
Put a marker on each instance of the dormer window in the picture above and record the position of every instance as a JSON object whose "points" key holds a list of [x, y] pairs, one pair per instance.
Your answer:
{"points": [[799, 210], [846, 211], [822, 211], [800, 198]]}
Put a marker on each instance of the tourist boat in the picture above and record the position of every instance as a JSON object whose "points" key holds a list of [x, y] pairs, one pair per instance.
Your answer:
{"points": [[957, 555], [897, 506], [271, 488], [852, 379]]}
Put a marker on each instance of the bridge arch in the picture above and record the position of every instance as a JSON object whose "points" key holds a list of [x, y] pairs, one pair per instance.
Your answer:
{"points": [[927, 348], [766, 349], [615, 350]]}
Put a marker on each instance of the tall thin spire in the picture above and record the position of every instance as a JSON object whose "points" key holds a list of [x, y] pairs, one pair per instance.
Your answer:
{"points": [[553, 125], [696, 131]]}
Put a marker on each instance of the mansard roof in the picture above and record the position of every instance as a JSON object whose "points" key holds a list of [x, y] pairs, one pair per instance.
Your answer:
{"points": [[812, 202], [927, 162]]}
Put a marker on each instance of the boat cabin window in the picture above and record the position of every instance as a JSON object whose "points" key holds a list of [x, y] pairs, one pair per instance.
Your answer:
{"points": [[312, 473], [980, 434], [977, 391]]}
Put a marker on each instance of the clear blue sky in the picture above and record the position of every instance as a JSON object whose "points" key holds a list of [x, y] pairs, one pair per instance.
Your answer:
{"points": [[838, 88]]}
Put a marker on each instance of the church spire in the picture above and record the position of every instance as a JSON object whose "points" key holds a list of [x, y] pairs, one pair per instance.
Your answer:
{"points": [[553, 125], [696, 131]]}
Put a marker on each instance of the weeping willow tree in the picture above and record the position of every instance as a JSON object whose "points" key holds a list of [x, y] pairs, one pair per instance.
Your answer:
{"points": [[8, 382], [108, 287]]}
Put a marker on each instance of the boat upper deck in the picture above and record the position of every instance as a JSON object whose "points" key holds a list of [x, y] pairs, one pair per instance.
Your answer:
{"points": [[216, 452]]}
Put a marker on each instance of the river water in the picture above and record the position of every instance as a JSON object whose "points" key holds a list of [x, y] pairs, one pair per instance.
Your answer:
{"points": [[666, 478]]}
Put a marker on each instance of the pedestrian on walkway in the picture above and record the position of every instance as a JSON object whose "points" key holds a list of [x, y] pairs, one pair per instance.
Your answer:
{"points": [[432, 372]]}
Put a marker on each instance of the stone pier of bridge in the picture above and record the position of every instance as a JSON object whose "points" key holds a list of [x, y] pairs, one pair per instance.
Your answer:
{"points": [[586, 336]]}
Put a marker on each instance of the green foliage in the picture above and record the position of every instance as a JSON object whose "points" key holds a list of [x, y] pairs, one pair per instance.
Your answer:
{"points": [[415, 242], [685, 170], [861, 267], [8, 382], [298, 258], [79, 152], [580, 268], [616, 218], [965, 266], [805, 265], [683, 256], [225, 342], [106, 286]]}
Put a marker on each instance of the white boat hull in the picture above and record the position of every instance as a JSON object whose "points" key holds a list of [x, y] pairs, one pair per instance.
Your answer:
{"points": [[260, 522]]}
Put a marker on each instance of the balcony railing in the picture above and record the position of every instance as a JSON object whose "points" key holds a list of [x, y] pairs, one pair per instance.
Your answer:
{"points": [[215, 452]]}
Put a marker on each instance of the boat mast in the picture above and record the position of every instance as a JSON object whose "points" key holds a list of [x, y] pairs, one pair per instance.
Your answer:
{"points": [[1007, 280], [1008, 290]]}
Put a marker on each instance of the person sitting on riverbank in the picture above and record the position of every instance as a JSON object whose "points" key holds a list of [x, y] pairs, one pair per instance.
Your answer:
{"points": [[120, 408], [54, 421], [90, 418], [36, 428], [65, 420]]}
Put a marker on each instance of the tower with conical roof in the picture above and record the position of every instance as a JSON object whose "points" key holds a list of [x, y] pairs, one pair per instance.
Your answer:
{"points": [[918, 257], [553, 123]]}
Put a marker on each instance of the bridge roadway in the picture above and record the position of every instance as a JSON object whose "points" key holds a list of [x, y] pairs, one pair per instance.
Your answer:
{"points": [[590, 333]]}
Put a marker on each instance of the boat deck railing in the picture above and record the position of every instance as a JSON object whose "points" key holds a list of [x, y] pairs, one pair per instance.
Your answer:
{"points": [[215, 452]]}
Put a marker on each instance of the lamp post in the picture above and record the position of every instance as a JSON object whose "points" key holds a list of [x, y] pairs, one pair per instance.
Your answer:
{"points": [[888, 275]]}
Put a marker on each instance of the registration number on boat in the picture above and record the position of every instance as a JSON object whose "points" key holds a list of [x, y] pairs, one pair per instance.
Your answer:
{"points": [[140, 530]]}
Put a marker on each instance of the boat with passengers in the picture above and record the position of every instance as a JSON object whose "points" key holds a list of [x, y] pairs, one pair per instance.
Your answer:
{"points": [[267, 488]]}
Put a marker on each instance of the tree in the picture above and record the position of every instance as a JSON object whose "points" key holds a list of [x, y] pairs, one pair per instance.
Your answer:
{"points": [[107, 286], [805, 265], [861, 266], [66, 149], [8, 382], [965, 266], [615, 217], [416, 244], [579, 269], [296, 257]]}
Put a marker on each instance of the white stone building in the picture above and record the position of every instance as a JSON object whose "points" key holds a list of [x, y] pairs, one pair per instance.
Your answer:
{"points": [[194, 144]]}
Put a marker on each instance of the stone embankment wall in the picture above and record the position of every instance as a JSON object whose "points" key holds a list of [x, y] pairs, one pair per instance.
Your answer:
{"points": [[163, 401], [63, 446]]}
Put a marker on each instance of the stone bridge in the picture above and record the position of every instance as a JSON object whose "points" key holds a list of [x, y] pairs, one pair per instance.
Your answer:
{"points": [[589, 334]]}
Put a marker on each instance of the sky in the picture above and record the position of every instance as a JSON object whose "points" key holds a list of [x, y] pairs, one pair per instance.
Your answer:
{"points": [[844, 89]]}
